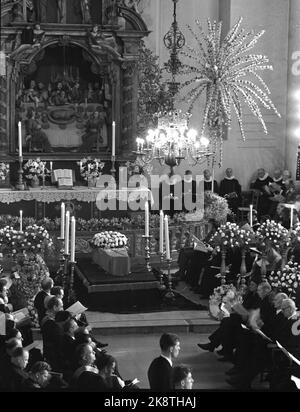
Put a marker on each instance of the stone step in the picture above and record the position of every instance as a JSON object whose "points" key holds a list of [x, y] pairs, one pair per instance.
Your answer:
{"points": [[142, 323]]}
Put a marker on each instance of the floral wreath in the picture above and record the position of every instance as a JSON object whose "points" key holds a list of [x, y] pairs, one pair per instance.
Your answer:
{"points": [[109, 240], [287, 279]]}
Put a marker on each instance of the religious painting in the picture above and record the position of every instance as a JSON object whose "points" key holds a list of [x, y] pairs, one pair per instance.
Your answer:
{"points": [[63, 105]]}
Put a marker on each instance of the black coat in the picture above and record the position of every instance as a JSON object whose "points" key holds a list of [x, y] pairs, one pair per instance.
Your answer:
{"points": [[160, 375], [39, 304]]}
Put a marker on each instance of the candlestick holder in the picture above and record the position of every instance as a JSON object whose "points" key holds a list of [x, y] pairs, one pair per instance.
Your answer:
{"points": [[20, 185], [43, 181], [147, 252], [66, 267], [71, 296], [60, 270], [113, 169], [169, 293], [161, 275]]}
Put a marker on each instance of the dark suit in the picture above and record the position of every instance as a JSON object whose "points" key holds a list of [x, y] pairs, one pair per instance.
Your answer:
{"points": [[160, 374], [39, 304], [52, 338]]}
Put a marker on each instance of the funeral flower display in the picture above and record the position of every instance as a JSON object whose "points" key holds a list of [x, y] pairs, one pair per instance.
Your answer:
{"points": [[287, 279], [273, 234], [90, 168], [225, 236], [33, 239], [109, 240], [4, 170], [35, 168], [215, 207]]}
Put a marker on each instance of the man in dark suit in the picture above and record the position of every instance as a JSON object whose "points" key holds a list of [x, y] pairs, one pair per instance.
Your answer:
{"points": [[160, 372], [46, 285]]}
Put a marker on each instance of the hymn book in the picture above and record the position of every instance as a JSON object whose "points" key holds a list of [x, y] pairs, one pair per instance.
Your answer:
{"points": [[63, 178], [77, 309], [21, 315]]}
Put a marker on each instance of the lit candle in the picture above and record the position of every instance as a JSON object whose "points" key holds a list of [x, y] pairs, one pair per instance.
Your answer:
{"points": [[113, 148], [292, 215], [147, 219], [251, 215], [51, 166], [80, 165], [168, 255], [67, 233], [62, 220], [21, 220], [161, 232], [20, 138], [73, 235]]}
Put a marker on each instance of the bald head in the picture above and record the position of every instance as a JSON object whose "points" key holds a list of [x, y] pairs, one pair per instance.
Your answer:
{"points": [[288, 308], [278, 299], [47, 284]]}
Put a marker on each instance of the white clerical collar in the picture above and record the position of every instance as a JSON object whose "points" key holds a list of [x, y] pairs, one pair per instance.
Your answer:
{"points": [[208, 180], [277, 179], [168, 359], [230, 178], [264, 177]]}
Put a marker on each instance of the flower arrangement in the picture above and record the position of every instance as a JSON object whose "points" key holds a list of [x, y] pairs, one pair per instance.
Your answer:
{"points": [[4, 170], [90, 168], [227, 294], [215, 207], [109, 240], [35, 168], [273, 234], [225, 237], [287, 279], [244, 238], [27, 274], [33, 239]]}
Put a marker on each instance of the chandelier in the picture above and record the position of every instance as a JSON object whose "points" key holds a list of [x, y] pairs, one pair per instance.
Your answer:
{"points": [[172, 141]]}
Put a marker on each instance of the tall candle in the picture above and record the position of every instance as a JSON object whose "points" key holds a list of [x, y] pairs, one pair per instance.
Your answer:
{"points": [[161, 232], [168, 255], [147, 219], [67, 233], [292, 215], [51, 166], [62, 220], [212, 180], [21, 220], [20, 139], [113, 147], [73, 235], [251, 215], [80, 165]]}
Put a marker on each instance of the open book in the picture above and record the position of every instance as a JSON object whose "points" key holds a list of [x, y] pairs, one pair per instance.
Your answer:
{"points": [[63, 177], [77, 309], [199, 245], [21, 315]]}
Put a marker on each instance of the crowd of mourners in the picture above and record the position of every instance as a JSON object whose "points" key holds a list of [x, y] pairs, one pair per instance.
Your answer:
{"points": [[71, 359]]}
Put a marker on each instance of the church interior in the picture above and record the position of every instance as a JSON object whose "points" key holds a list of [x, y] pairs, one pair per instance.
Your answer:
{"points": [[149, 196]]}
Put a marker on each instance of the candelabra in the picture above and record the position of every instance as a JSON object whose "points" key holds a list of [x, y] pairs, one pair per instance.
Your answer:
{"points": [[113, 169], [161, 276], [20, 185], [71, 297], [60, 270], [169, 293], [66, 270], [147, 252]]}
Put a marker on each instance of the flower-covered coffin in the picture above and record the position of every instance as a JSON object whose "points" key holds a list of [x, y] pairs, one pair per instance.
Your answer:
{"points": [[110, 253]]}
